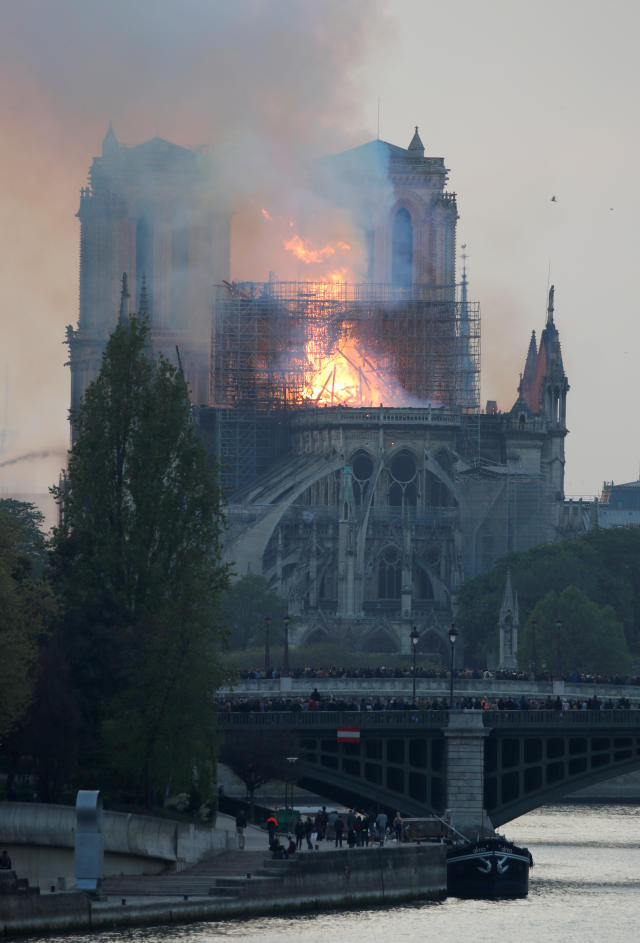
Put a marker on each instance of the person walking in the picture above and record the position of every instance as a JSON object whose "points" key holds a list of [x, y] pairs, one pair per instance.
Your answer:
{"points": [[339, 829], [308, 832], [299, 830], [381, 825], [272, 824], [241, 824], [397, 827]]}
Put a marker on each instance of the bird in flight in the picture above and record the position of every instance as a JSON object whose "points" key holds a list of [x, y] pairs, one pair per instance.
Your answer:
{"points": [[553, 199]]}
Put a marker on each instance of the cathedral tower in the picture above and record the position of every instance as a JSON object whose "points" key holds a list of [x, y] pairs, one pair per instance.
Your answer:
{"points": [[148, 211], [398, 198]]}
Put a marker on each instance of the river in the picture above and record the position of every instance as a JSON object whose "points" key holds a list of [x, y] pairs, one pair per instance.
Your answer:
{"points": [[585, 887]]}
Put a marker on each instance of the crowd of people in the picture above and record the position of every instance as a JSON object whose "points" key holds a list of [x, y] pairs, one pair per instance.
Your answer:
{"points": [[318, 702], [350, 829], [473, 674]]}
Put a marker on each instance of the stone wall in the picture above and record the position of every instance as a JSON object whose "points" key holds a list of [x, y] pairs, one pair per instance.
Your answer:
{"points": [[40, 839]]}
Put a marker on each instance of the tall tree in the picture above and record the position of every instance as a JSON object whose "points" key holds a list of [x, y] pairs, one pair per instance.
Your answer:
{"points": [[603, 564], [573, 634], [137, 557], [26, 605], [246, 606]]}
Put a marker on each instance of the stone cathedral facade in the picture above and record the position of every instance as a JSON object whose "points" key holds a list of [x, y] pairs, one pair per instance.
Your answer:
{"points": [[365, 519]]}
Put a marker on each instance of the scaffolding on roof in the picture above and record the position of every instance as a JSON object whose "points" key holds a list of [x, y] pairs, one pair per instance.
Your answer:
{"points": [[289, 344]]}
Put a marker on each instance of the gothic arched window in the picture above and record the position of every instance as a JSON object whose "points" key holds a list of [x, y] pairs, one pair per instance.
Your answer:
{"points": [[402, 250], [390, 574]]}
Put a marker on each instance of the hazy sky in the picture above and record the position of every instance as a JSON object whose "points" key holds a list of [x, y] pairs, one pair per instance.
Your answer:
{"points": [[524, 101]]}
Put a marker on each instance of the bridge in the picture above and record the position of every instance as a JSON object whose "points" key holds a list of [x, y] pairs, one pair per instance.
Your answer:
{"points": [[462, 763], [491, 688]]}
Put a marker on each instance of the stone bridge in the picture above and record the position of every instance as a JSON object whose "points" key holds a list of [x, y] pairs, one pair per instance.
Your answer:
{"points": [[491, 688], [467, 764]]}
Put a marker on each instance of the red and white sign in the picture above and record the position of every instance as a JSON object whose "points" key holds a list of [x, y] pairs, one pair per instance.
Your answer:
{"points": [[348, 735]]}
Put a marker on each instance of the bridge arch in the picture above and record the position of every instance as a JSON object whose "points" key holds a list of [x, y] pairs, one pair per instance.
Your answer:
{"points": [[402, 760]]}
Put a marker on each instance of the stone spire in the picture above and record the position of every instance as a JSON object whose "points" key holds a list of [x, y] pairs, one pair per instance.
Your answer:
{"points": [[416, 147], [550, 307], [123, 315], [508, 623], [509, 601], [530, 363], [110, 144]]}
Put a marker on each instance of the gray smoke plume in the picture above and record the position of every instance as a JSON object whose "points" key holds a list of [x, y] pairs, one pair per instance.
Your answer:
{"points": [[264, 85]]}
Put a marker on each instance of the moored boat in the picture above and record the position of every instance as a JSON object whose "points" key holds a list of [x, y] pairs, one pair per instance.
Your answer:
{"points": [[489, 867]]}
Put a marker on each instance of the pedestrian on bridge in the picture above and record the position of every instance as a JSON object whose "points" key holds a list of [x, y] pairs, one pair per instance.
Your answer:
{"points": [[308, 832], [241, 824]]}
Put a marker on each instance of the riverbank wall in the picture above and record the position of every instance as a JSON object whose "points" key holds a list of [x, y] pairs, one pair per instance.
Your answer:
{"points": [[40, 839], [347, 878]]}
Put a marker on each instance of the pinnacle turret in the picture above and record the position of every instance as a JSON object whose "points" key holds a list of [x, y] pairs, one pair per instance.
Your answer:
{"points": [[416, 144], [110, 143], [550, 307]]}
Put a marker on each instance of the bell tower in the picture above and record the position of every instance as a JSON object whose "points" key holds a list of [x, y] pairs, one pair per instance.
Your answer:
{"points": [[399, 199]]}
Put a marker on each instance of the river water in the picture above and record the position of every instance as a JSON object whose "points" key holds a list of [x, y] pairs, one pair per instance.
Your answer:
{"points": [[585, 887]]}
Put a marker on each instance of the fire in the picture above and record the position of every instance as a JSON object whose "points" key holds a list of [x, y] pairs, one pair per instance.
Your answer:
{"points": [[305, 252], [265, 213], [348, 377]]}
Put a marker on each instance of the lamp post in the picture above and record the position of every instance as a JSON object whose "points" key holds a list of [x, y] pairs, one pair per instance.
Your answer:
{"points": [[453, 635], [291, 760], [415, 637], [285, 660], [534, 658], [267, 649], [558, 627]]}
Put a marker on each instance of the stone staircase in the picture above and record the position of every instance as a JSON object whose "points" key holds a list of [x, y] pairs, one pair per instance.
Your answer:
{"points": [[224, 876]]}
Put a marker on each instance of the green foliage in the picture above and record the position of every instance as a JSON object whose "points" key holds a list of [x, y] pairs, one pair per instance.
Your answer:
{"points": [[246, 605], [323, 656], [603, 564], [26, 606], [137, 562], [573, 634]]}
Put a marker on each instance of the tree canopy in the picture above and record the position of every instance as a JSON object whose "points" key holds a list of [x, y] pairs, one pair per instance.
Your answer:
{"points": [[137, 564], [572, 634], [246, 605], [604, 565], [26, 605]]}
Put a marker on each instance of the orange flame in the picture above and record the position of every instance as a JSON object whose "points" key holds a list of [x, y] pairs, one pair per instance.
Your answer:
{"points": [[348, 377], [305, 252]]}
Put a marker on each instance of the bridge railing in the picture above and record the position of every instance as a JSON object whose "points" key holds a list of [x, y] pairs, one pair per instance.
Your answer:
{"points": [[431, 718], [555, 718], [324, 719]]}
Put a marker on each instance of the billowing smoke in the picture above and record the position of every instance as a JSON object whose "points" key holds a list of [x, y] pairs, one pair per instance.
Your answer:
{"points": [[265, 85], [30, 456]]}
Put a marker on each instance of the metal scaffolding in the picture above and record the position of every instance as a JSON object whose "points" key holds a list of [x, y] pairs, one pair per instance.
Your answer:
{"points": [[404, 346]]}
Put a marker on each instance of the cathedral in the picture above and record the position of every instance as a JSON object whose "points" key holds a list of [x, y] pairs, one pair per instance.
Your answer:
{"points": [[364, 481]]}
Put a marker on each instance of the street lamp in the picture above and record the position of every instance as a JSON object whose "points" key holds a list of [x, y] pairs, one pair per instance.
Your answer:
{"points": [[558, 627], [534, 659], [285, 666], [267, 650], [453, 635], [415, 637], [291, 760]]}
